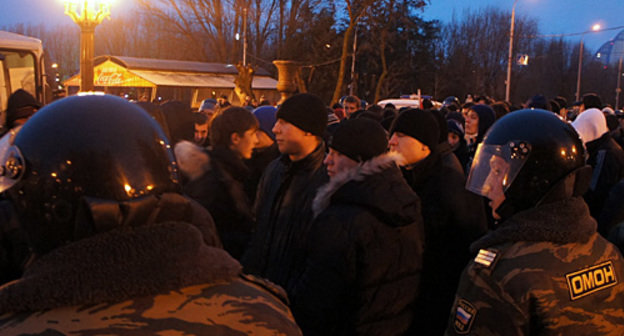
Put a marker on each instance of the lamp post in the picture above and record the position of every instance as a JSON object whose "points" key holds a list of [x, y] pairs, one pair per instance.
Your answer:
{"points": [[510, 57], [619, 87], [87, 14], [595, 28]]}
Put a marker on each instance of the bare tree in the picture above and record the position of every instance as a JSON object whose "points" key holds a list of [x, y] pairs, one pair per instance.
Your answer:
{"points": [[476, 50], [356, 9]]}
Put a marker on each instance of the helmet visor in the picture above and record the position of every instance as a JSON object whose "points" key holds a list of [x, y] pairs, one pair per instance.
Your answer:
{"points": [[495, 167], [12, 164]]}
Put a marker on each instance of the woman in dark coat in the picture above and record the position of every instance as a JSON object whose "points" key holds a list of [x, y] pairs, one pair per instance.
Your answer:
{"points": [[217, 178]]}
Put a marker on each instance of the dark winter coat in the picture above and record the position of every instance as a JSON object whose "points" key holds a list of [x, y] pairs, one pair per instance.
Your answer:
{"points": [[219, 185], [283, 217], [612, 212], [461, 152], [544, 271], [364, 256], [453, 219], [14, 251], [157, 278], [260, 159], [607, 160]]}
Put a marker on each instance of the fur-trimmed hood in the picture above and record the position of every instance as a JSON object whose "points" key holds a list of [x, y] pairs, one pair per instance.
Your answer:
{"points": [[119, 265], [193, 160], [377, 185], [561, 222]]}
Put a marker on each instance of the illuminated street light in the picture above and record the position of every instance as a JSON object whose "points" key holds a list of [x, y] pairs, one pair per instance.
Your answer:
{"points": [[595, 28], [87, 14]]}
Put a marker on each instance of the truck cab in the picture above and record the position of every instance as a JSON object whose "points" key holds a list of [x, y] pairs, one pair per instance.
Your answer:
{"points": [[21, 67]]}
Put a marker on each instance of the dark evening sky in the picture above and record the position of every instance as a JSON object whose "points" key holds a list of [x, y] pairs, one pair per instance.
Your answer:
{"points": [[553, 16]]}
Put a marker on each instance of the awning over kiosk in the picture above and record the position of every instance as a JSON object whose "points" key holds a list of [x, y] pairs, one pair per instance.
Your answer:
{"points": [[133, 72]]}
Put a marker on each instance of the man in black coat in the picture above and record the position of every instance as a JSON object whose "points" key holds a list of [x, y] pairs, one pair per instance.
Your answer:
{"points": [[287, 188], [218, 178], [453, 217], [364, 256]]}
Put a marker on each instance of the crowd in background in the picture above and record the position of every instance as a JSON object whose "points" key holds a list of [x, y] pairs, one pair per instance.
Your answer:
{"points": [[354, 219]]}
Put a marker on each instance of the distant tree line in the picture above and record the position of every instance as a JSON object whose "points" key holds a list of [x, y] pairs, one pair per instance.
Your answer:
{"points": [[396, 51]]}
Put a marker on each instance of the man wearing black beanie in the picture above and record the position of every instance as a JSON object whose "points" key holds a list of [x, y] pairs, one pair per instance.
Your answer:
{"points": [[365, 244], [284, 199], [453, 217]]}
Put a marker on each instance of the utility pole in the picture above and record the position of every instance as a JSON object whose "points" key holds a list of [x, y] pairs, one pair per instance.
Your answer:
{"points": [[619, 87], [510, 57], [578, 74]]}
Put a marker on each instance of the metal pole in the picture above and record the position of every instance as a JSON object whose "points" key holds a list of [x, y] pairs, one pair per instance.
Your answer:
{"points": [[619, 87], [580, 68], [353, 62], [245, 36], [86, 57], [510, 58]]}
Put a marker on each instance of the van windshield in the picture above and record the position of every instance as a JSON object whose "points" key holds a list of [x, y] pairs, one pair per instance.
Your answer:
{"points": [[17, 72]]}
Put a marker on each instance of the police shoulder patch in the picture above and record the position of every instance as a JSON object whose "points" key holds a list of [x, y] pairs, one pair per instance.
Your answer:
{"points": [[591, 279], [486, 257], [465, 314]]}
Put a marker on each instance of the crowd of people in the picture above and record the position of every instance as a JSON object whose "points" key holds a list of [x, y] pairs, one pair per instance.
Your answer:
{"points": [[479, 218]]}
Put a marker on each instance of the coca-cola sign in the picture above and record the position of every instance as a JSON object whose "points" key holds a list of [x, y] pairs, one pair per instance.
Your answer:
{"points": [[109, 77]]}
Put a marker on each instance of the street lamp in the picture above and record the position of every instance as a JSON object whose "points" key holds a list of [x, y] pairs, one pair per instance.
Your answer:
{"points": [[87, 14], [595, 28], [510, 58], [619, 87]]}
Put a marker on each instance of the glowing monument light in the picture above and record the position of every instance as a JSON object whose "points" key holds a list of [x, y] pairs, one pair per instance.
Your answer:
{"points": [[87, 14]]}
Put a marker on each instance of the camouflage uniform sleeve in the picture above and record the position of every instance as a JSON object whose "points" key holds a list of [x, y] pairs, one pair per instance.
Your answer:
{"points": [[482, 307]]}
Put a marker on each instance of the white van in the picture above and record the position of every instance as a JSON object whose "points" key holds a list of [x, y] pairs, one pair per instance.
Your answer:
{"points": [[21, 62]]}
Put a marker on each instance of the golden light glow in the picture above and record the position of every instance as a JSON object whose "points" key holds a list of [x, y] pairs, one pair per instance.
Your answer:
{"points": [[127, 187], [596, 27], [88, 12], [53, 175], [150, 187]]}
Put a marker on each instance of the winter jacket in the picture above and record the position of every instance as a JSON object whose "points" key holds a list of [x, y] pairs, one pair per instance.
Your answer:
{"points": [[260, 160], [453, 218], [158, 278], [14, 250], [607, 160], [544, 271], [612, 212], [283, 217], [218, 183], [364, 256]]}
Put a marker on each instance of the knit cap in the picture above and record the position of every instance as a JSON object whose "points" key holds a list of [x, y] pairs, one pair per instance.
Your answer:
{"points": [[266, 119], [306, 111], [359, 139], [420, 125], [20, 104]]}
